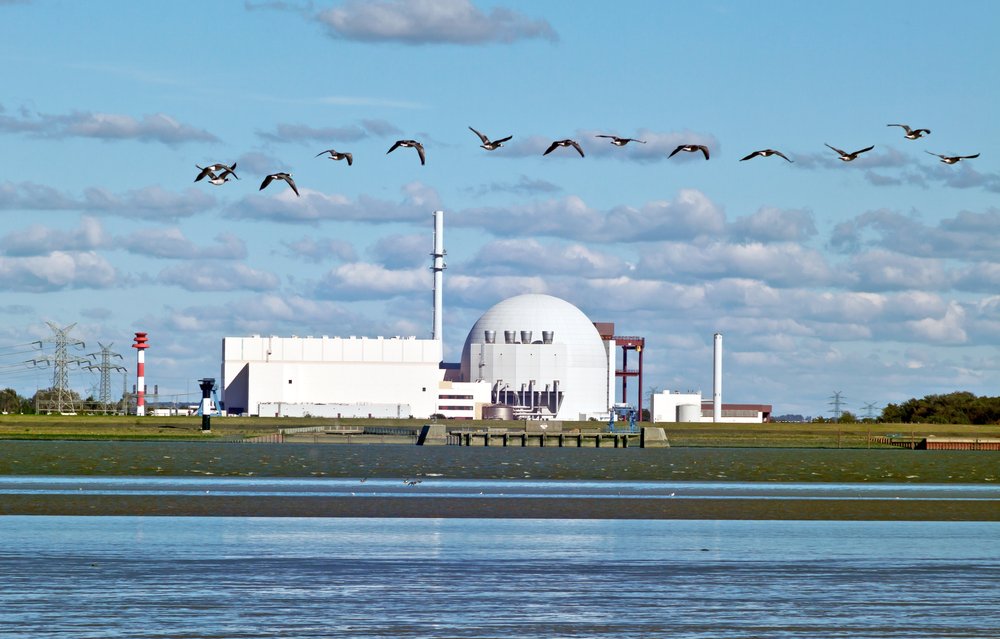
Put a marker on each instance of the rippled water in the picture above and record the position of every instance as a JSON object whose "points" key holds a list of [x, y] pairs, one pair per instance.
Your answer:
{"points": [[471, 577], [140, 577], [388, 461]]}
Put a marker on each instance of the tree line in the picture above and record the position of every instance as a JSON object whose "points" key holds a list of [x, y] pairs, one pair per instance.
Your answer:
{"points": [[953, 408], [11, 403]]}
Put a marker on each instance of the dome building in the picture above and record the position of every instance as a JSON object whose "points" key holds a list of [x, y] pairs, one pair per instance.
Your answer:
{"points": [[543, 357]]}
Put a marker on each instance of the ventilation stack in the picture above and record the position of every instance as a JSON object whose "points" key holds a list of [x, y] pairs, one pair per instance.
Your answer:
{"points": [[717, 385], [438, 268]]}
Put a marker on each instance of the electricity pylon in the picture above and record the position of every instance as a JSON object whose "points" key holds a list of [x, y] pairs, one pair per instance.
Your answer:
{"points": [[105, 367], [61, 400]]}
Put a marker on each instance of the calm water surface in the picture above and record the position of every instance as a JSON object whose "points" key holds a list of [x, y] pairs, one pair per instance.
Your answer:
{"points": [[164, 577]]}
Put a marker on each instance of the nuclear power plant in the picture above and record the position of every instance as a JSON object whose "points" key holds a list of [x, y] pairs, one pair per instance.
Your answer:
{"points": [[531, 356]]}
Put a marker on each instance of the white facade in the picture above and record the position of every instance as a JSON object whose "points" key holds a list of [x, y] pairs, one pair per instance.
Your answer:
{"points": [[675, 407], [543, 356], [331, 370]]}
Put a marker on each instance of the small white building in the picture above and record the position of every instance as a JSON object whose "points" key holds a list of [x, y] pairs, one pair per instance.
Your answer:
{"points": [[675, 406]]}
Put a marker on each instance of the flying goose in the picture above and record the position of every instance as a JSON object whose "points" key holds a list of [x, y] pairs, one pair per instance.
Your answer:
{"points": [[617, 141], [847, 157], [912, 134], [217, 180], [211, 169], [954, 159], [338, 156], [279, 176], [410, 144], [690, 148], [558, 143], [490, 145], [765, 153]]}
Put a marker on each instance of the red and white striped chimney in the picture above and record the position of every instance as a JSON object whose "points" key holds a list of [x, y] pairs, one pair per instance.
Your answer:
{"points": [[140, 345]]}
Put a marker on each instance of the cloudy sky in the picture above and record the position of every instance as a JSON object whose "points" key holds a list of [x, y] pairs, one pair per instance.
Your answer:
{"points": [[877, 278]]}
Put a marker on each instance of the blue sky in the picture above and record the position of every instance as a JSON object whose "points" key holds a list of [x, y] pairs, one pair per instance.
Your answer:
{"points": [[877, 278]]}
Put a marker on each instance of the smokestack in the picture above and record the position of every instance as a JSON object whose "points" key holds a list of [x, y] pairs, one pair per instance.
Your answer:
{"points": [[438, 268], [717, 386], [140, 344]]}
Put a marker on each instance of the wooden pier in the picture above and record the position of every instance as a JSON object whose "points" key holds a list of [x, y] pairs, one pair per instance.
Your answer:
{"points": [[436, 434], [524, 439]]}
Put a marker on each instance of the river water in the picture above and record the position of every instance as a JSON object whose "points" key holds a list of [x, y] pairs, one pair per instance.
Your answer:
{"points": [[522, 543], [188, 577]]}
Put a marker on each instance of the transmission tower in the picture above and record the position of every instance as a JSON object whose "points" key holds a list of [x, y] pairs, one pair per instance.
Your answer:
{"points": [[105, 368], [870, 408], [61, 398], [838, 401]]}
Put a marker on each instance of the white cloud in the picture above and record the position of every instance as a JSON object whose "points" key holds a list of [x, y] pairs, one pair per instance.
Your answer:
{"points": [[56, 271], [314, 207], [41, 240], [418, 22], [312, 249], [156, 127], [525, 256], [211, 276], [361, 280], [171, 243], [947, 329], [691, 214], [771, 224]]}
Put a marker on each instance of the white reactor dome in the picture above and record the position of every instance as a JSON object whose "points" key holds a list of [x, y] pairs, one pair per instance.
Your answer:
{"points": [[544, 319]]}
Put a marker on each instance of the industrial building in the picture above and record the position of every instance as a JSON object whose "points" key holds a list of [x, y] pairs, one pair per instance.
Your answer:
{"points": [[528, 357]]}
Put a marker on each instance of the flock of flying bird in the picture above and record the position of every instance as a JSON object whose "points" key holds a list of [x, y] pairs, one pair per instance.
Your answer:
{"points": [[218, 174]]}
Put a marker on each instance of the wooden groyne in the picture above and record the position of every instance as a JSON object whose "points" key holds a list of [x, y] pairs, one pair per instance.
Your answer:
{"points": [[938, 443], [959, 443]]}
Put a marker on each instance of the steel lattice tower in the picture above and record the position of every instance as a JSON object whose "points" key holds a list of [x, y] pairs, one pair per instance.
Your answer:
{"points": [[838, 401], [105, 368], [61, 400]]}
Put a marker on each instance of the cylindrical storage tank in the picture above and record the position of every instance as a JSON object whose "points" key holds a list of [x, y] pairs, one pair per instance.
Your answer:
{"points": [[498, 411], [689, 413], [547, 337], [490, 337], [525, 337], [508, 337]]}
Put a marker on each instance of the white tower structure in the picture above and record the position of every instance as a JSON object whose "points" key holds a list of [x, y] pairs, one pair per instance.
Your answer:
{"points": [[717, 385], [438, 268]]}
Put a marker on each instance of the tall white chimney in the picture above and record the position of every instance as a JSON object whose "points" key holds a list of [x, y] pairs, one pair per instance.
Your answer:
{"points": [[717, 386], [438, 268]]}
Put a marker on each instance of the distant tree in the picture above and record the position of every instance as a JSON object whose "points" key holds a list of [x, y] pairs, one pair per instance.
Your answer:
{"points": [[44, 395], [847, 417], [10, 401]]}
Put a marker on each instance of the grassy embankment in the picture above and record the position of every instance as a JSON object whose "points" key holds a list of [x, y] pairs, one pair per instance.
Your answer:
{"points": [[807, 435]]}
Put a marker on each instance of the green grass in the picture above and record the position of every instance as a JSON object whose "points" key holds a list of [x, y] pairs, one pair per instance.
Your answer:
{"points": [[808, 435]]}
